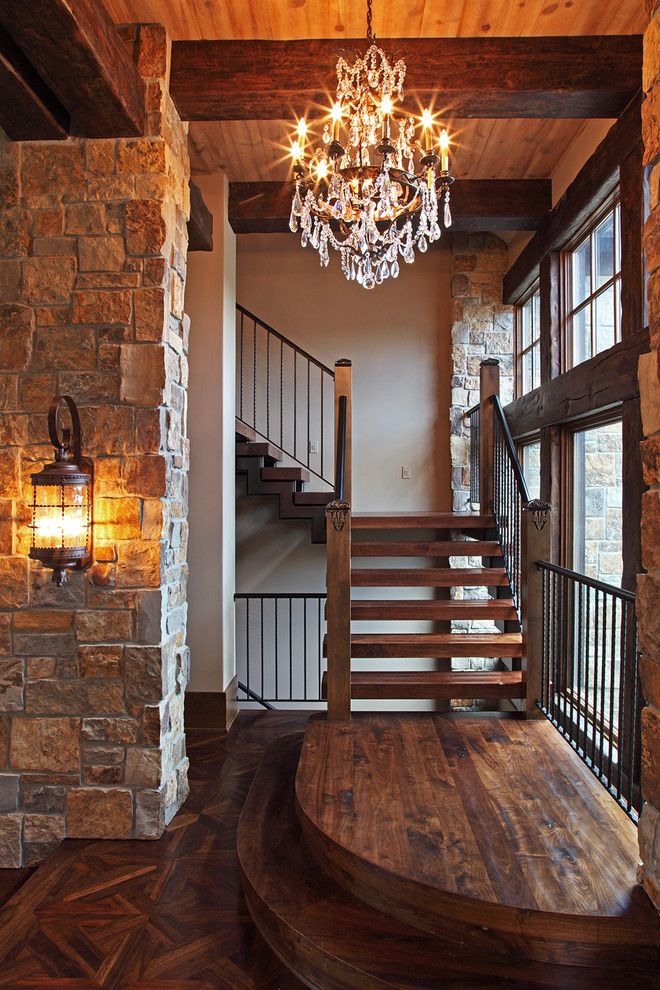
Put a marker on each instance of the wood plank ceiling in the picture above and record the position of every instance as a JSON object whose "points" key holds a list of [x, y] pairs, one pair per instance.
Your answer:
{"points": [[257, 150]]}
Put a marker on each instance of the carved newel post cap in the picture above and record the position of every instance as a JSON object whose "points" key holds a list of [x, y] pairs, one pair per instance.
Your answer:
{"points": [[489, 362], [343, 363]]}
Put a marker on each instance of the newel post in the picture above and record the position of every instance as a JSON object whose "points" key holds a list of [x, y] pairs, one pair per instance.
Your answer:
{"points": [[338, 531], [489, 385]]}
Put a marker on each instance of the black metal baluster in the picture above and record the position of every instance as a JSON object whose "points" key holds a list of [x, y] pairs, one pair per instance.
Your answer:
{"points": [[268, 385], [281, 393], [623, 681], [309, 413], [295, 403], [596, 677], [322, 419], [612, 683], [291, 648], [242, 352], [247, 642], [277, 671]]}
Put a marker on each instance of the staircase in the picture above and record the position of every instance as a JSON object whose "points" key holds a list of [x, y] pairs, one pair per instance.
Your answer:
{"points": [[472, 537], [260, 461]]}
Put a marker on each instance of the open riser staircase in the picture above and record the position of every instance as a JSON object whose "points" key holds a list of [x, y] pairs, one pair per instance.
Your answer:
{"points": [[398, 569]]}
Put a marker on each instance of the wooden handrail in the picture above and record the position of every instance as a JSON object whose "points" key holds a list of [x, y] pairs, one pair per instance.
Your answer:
{"points": [[338, 530], [516, 466]]}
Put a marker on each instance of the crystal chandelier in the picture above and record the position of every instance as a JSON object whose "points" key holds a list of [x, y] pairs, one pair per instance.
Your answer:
{"points": [[372, 191]]}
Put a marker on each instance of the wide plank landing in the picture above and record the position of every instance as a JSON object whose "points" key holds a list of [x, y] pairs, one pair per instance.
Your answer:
{"points": [[491, 822]]}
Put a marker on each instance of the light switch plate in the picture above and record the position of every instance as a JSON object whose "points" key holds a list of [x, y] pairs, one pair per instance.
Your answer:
{"points": [[313, 446], [406, 472]]}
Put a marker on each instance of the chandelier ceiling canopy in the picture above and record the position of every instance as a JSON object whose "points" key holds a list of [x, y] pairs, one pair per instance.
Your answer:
{"points": [[373, 189]]}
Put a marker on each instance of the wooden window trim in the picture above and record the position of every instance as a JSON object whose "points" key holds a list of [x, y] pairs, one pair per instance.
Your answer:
{"points": [[519, 350], [567, 309]]}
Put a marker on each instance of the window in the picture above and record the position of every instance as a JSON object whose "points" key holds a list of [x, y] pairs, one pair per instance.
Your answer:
{"points": [[530, 459], [595, 533], [528, 343], [592, 288]]}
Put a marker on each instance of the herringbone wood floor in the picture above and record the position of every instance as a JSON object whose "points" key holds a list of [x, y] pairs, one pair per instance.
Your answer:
{"points": [[166, 915]]}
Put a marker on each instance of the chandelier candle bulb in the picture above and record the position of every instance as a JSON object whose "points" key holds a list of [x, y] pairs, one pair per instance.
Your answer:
{"points": [[444, 150], [375, 198]]}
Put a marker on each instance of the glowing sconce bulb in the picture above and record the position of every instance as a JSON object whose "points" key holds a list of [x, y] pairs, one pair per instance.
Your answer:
{"points": [[302, 127], [321, 169], [444, 150], [296, 151]]}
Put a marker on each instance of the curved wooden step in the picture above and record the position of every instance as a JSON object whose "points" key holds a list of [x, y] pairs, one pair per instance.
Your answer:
{"points": [[492, 823], [437, 685], [417, 548], [437, 645], [427, 577], [332, 939], [493, 609], [420, 520]]}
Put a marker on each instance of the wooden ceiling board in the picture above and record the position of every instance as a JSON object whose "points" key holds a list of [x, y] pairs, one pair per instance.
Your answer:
{"points": [[253, 151], [289, 19]]}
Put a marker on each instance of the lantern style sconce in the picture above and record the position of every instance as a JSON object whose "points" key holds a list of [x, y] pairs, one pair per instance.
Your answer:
{"points": [[62, 497]]}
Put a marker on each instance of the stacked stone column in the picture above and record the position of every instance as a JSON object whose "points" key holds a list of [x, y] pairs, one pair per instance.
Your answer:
{"points": [[92, 271], [648, 584]]}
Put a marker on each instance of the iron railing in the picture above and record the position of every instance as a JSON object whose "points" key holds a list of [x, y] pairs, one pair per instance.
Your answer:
{"points": [[510, 498], [474, 417], [284, 394], [590, 685], [279, 647]]}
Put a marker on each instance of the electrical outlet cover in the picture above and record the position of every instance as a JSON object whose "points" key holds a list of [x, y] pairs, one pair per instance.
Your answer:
{"points": [[313, 446]]}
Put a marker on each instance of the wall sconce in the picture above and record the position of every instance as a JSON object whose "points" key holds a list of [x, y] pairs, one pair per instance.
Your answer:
{"points": [[62, 499]]}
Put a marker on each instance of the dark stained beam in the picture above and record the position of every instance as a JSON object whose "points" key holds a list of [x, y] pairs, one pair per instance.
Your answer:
{"points": [[594, 182], [28, 109], [476, 204], [605, 381], [200, 225], [466, 77], [75, 48]]}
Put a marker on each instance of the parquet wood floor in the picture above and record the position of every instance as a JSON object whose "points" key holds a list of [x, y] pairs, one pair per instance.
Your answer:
{"points": [[166, 915]]}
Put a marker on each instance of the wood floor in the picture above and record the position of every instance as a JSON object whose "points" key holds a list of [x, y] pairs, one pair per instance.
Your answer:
{"points": [[494, 823], [165, 915]]}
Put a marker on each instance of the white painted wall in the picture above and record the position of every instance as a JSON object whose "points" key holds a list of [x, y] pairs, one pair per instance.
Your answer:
{"points": [[210, 303]]}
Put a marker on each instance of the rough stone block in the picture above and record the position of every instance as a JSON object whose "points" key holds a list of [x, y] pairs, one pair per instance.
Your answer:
{"points": [[13, 582], [106, 626], [72, 348], [651, 755], [10, 840], [139, 564], [10, 482], [142, 374], [146, 229], [143, 767], [146, 476], [150, 313], [100, 660], [108, 429], [47, 280], [9, 791], [75, 696], [143, 674], [112, 730], [103, 306], [101, 254], [45, 744], [149, 815], [96, 813], [85, 218], [11, 685]]}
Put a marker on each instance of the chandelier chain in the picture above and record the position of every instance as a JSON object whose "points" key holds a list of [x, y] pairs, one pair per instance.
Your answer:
{"points": [[370, 31]]}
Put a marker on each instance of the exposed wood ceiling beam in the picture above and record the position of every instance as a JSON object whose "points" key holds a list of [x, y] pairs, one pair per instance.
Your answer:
{"points": [[596, 179], [465, 77], [477, 204], [200, 225], [28, 109], [600, 383], [75, 48]]}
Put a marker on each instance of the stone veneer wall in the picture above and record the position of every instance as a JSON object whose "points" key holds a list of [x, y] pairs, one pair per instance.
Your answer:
{"points": [[93, 248], [648, 585], [482, 327]]}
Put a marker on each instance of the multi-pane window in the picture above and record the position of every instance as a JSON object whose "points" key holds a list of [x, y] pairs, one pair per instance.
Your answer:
{"points": [[528, 343], [592, 289], [596, 537]]}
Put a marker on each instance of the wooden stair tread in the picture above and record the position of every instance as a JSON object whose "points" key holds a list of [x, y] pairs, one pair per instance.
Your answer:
{"points": [[313, 498], [409, 608], [284, 474], [438, 548], [436, 645], [266, 450], [435, 684], [432, 577], [244, 432], [430, 818], [420, 520]]}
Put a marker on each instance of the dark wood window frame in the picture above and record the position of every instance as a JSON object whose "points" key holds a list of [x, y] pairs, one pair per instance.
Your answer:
{"points": [[520, 350], [611, 205]]}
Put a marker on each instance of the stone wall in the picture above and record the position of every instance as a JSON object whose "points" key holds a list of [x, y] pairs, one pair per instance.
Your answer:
{"points": [[92, 270], [648, 585], [482, 327]]}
